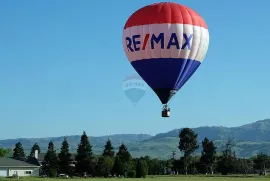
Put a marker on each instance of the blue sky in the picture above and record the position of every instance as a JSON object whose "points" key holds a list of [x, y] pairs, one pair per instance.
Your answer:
{"points": [[62, 64]]}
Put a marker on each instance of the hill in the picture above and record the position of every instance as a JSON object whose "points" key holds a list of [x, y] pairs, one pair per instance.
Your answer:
{"points": [[249, 139], [257, 132]]}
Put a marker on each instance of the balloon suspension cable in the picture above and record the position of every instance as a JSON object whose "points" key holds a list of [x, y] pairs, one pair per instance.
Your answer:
{"points": [[166, 107]]}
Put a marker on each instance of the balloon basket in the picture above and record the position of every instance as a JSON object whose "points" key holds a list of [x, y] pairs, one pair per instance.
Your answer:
{"points": [[166, 111]]}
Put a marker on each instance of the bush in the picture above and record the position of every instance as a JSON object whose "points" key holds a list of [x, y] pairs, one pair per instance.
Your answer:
{"points": [[52, 173], [131, 173]]}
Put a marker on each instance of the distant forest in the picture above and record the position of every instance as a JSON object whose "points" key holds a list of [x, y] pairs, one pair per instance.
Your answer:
{"points": [[121, 163]]}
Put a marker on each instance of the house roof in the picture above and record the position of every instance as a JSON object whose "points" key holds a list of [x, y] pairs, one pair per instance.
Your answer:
{"points": [[10, 162], [42, 155]]}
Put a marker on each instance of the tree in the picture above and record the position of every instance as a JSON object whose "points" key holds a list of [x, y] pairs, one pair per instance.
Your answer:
{"points": [[226, 162], [108, 150], [65, 158], [262, 162], [208, 154], [123, 153], [242, 166], [178, 164], [152, 164], [18, 151], [84, 156], [50, 163], [141, 168], [104, 166], [4, 152], [131, 173], [118, 168], [125, 157], [187, 144], [33, 149]]}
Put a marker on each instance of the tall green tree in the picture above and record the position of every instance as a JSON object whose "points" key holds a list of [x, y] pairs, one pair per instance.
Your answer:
{"points": [[108, 150], [4, 152], [65, 158], [34, 147], [84, 156], [208, 155], [125, 157], [50, 162], [118, 167], [123, 153], [227, 161], [18, 151], [104, 166], [141, 168], [187, 144]]}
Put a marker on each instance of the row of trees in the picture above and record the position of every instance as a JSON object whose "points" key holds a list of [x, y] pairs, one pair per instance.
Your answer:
{"points": [[88, 164], [122, 163]]}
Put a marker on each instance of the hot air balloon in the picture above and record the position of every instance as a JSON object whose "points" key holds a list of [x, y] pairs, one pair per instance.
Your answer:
{"points": [[165, 43], [134, 88]]}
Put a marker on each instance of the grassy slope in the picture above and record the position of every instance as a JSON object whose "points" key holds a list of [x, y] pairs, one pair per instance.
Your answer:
{"points": [[163, 147]]}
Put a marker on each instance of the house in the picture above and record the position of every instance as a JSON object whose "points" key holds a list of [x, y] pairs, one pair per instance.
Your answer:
{"points": [[10, 166]]}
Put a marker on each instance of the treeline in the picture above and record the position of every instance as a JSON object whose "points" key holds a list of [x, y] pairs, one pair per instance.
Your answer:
{"points": [[121, 163]]}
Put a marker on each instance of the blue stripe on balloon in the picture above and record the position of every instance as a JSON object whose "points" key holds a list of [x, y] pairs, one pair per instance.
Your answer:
{"points": [[169, 73]]}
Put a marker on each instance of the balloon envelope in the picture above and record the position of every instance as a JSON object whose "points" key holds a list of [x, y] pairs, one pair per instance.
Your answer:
{"points": [[165, 43]]}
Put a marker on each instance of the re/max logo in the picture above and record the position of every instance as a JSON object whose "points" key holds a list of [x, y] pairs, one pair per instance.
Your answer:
{"points": [[133, 44]]}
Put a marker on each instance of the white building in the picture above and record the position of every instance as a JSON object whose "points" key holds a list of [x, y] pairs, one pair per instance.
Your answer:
{"points": [[9, 167]]}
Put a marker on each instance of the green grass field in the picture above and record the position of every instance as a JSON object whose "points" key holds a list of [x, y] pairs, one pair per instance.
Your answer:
{"points": [[150, 178]]}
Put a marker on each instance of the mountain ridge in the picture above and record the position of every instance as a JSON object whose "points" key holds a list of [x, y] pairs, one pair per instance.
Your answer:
{"points": [[249, 139]]}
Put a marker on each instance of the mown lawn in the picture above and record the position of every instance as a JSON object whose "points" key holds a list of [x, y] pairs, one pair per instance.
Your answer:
{"points": [[150, 178]]}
